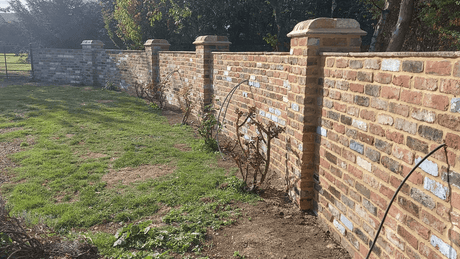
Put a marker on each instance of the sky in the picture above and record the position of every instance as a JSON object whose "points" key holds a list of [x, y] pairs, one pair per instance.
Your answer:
{"points": [[4, 3]]}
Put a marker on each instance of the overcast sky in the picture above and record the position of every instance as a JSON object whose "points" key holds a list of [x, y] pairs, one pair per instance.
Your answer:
{"points": [[4, 3]]}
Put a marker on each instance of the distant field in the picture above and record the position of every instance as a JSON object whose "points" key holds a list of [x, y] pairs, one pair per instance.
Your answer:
{"points": [[17, 65]]}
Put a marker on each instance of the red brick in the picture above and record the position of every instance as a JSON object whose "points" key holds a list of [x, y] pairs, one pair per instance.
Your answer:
{"points": [[334, 94], [350, 75], [427, 252], [348, 180], [340, 128], [432, 221], [429, 84], [414, 97], [419, 228], [455, 237], [376, 130], [379, 201], [455, 200], [359, 88], [403, 81], [324, 163], [356, 172], [450, 86], [348, 155], [368, 115], [337, 73], [449, 121], [442, 210], [381, 174], [409, 206], [390, 92], [386, 191], [400, 109], [395, 137], [453, 141], [441, 154], [383, 78], [341, 63], [365, 138], [340, 107], [403, 154], [440, 102], [411, 239], [415, 178], [440, 68]]}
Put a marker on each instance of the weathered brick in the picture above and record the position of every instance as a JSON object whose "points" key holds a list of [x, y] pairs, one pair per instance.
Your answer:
{"points": [[343, 140], [331, 158], [359, 124], [440, 68], [383, 146], [450, 86], [334, 95], [351, 133], [341, 63], [449, 121], [409, 206], [356, 146], [419, 228], [412, 66], [361, 100], [356, 64], [329, 83], [364, 164], [414, 97], [439, 102], [376, 130], [390, 92], [423, 115], [346, 120], [349, 156], [411, 239], [353, 111], [383, 78], [433, 222], [379, 104], [417, 145], [402, 80], [347, 97], [370, 207], [333, 115], [373, 155], [422, 198], [368, 115], [436, 188], [342, 85], [385, 119], [406, 126], [330, 62], [391, 65], [359, 88], [372, 90], [430, 133], [381, 174], [399, 109], [366, 138], [372, 64], [363, 190], [365, 76], [340, 107], [391, 165], [403, 154], [429, 84]]}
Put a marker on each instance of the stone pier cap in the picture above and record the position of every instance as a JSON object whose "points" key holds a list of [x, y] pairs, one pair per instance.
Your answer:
{"points": [[323, 26], [211, 40], [157, 42], [92, 44]]}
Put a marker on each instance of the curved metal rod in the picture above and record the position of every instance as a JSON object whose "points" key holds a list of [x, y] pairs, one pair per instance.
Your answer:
{"points": [[225, 113], [396, 193]]}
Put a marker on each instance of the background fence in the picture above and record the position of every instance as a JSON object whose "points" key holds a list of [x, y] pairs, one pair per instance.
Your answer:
{"points": [[15, 62]]}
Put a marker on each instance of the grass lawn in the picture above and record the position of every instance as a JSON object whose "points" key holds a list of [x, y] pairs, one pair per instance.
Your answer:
{"points": [[58, 182], [14, 63]]}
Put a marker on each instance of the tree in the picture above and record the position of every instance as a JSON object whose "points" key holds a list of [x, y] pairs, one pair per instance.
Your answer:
{"points": [[60, 23]]}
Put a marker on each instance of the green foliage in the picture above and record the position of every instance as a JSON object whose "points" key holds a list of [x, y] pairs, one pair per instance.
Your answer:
{"points": [[209, 125]]}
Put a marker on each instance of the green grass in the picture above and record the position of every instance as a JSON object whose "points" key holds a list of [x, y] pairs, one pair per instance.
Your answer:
{"points": [[126, 128], [14, 63]]}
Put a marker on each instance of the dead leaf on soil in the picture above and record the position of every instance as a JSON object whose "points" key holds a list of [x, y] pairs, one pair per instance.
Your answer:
{"points": [[142, 173]]}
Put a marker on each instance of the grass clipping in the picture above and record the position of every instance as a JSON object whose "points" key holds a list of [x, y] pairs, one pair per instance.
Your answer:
{"points": [[17, 241]]}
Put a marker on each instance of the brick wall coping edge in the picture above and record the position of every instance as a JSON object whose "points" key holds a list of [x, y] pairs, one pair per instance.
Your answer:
{"points": [[442, 54]]}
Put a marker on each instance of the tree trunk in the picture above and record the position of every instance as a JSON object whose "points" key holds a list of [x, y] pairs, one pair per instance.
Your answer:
{"points": [[402, 26], [380, 24]]}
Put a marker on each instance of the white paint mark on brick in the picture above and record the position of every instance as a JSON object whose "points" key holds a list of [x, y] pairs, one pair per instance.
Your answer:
{"points": [[285, 99], [339, 227], [277, 112], [364, 164], [225, 73], [271, 109], [444, 248], [322, 131], [229, 79], [229, 68], [359, 124], [436, 188], [346, 222], [391, 64], [428, 166]]}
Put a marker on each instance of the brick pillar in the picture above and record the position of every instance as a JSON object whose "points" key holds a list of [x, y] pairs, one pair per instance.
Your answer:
{"points": [[308, 39], [90, 49], [205, 45], [152, 48]]}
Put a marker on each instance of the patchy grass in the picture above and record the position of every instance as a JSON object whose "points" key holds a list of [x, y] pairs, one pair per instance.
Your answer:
{"points": [[57, 183], [15, 63]]}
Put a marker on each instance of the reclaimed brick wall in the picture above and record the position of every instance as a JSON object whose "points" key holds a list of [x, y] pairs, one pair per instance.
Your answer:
{"points": [[380, 114], [92, 66]]}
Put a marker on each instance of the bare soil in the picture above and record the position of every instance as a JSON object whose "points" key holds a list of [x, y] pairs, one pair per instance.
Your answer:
{"points": [[271, 228]]}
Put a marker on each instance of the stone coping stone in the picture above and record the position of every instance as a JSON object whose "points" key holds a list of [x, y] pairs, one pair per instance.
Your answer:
{"points": [[326, 26], [256, 53], [443, 54]]}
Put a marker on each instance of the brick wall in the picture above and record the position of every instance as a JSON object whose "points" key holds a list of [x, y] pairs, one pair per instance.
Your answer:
{"points": [[356, 124], [380, 114]]}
